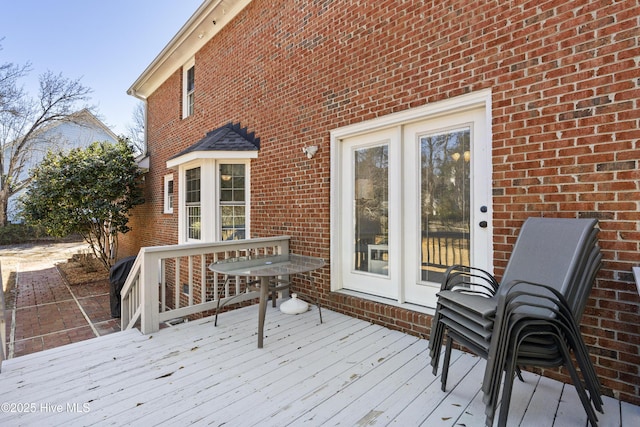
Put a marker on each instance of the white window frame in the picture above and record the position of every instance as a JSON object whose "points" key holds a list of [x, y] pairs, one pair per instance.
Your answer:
{"points": [[430, 111], [232, 204], [197, 204], [169, 197], [187, 96], [211, 224]]}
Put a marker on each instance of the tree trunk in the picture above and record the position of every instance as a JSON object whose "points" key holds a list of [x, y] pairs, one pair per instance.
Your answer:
{"points": [[4, 202]]}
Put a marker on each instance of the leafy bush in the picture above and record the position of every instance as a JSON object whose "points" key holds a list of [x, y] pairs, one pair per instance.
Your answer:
{"points": [[88, 191], [12, 234]]}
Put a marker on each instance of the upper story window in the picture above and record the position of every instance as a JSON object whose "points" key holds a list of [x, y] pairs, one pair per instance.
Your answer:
{"points": [[188, 88], [168, 194]]}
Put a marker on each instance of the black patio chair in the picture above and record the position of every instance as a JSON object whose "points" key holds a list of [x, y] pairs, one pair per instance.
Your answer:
{"points": [[553, 264]]}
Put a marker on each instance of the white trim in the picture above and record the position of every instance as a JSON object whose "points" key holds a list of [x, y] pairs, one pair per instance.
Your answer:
{"points": [[210, 198], [195, 156], [430, 111], [247, 196], [191, 63], [168, 209], [480, 98], [194, 34], [208, 201]]}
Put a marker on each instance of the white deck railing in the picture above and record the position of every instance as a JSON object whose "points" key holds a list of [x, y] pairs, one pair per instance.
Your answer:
{"points": [[3, 326], [164, 280]]}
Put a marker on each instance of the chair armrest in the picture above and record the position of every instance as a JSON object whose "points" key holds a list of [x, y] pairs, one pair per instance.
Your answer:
{"points": [[517, 288], [549, 305], [462, 278], [518, 294]]}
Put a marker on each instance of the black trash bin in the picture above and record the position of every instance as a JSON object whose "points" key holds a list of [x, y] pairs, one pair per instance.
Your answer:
{"points": [[117, 276]]}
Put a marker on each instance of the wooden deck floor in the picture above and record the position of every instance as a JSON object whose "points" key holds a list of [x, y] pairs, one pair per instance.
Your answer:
{"points": [[344, 372]]}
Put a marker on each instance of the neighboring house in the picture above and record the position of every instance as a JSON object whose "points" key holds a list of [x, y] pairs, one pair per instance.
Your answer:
{"points": [[396, 138], [83, 129]]}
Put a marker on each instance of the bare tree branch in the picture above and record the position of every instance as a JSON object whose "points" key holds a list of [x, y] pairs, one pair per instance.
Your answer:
{"points": [[136, 129], [23, 120]]}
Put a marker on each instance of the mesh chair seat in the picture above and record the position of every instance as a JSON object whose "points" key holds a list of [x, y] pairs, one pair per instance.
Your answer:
{"points": [[531, 318]]}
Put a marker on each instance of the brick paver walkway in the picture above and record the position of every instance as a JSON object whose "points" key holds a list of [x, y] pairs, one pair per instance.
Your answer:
{"points": [[48, 312]]}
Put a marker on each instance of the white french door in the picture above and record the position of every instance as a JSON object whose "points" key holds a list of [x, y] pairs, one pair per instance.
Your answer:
{"points": [[446, 212], [415, 198], [371, 226]]}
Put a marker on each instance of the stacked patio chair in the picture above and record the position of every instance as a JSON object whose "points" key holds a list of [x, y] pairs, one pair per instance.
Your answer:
{"points": [[531, 318]]}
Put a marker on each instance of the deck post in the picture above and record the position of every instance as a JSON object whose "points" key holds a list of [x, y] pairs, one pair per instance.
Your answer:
{"points": [[149, 321]]}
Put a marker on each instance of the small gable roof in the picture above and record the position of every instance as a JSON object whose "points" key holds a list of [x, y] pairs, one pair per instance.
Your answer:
{"points": [[228, 141]]}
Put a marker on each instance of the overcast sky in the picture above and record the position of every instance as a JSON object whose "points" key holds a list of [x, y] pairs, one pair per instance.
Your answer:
{"points": [[105, 43]]}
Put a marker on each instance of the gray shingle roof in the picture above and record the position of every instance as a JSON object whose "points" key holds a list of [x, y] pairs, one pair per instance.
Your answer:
{"points": [[230, 137]]}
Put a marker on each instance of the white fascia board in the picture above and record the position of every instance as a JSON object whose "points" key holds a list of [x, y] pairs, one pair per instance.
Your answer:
{"points": [[143, 163], [193, 35], [202, 155]]}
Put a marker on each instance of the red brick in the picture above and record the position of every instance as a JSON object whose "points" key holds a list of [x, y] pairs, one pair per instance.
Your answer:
{"points": [[565, 88]]}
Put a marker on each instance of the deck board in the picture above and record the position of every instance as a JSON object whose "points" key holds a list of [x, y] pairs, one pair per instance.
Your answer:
{"points": [[541, 409], [566, 414], [630, 414], [345, 372]]}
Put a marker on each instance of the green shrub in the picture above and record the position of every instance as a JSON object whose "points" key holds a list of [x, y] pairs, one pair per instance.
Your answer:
{"points": [[22, 233]]}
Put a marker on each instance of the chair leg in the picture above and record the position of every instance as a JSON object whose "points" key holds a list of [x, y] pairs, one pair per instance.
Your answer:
{"points": [[587, 370], [507, 389], [506, 400], [435, 342], [582, 394], [519, 374], [445, 363], [506, 365]]}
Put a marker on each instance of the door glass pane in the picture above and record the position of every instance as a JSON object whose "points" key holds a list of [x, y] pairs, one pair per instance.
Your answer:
{"points": [[445, 199], [371, 200]]}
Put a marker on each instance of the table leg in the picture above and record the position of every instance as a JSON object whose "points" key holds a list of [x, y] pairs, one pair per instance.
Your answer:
{"points": [[262, 310]]}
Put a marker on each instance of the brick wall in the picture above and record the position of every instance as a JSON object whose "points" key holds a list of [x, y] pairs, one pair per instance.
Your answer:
{"points": [[565, 81]]}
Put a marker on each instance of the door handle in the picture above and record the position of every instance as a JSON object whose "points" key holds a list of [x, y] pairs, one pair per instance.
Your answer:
{"points": [[483, 224]]}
